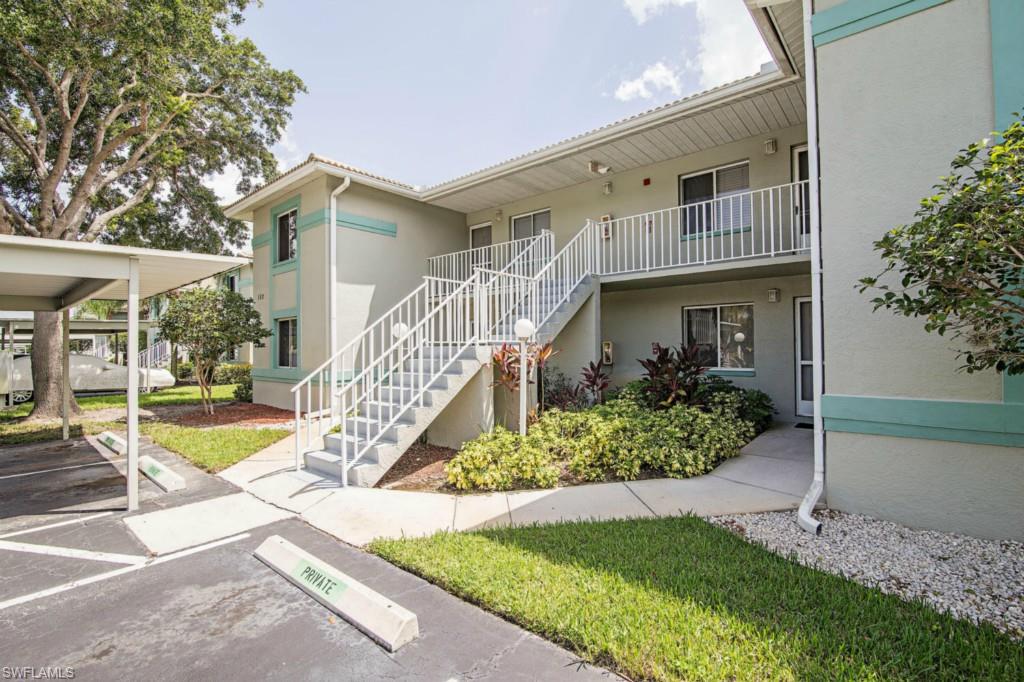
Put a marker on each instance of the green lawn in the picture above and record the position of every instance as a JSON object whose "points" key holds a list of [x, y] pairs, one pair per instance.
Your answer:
{"points": [[176, 395], [209, 449], [680, 599], [212, 449]]}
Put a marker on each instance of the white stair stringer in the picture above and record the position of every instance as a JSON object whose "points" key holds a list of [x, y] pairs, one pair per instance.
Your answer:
{"points": [[395, 440]]}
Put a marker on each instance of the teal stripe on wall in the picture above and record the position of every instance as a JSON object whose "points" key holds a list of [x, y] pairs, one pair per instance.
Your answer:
{"points": [[358, 222], [261, 240], [1007, 18], [948, 420], [854, 16]]}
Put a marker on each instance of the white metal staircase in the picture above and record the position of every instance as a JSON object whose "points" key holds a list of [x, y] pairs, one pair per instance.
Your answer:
{"points": [[364, 406]]}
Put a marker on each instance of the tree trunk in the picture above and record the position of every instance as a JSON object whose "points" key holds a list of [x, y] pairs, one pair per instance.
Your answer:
{"points": [[46, 367]]}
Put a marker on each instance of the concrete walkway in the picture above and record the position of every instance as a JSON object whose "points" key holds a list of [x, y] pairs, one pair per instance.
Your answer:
{"points": [[772, 473]]}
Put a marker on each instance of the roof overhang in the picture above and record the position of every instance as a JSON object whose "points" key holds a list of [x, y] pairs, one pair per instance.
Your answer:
{"points": [[301, 174], [53, 274]]}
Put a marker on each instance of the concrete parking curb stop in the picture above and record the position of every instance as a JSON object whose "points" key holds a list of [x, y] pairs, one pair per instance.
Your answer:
{"points": [[115, 443], [381, 619], [160, 474]]}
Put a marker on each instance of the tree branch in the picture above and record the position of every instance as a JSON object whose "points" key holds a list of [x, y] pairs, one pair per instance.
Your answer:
{"points": [[12, 217], [100, 221]]}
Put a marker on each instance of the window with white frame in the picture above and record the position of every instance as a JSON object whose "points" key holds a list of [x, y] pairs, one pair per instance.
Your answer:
{"points": [[724, 334], [287, 342], [716, 200], [231, 282], [531, 224], [286, 236]]}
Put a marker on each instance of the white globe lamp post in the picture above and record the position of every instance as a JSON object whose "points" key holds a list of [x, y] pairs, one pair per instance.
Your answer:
{"points": [[524, 330]]}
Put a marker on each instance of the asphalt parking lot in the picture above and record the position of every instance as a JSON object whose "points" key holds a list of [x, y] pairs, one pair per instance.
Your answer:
{"points": [[79, 592]]}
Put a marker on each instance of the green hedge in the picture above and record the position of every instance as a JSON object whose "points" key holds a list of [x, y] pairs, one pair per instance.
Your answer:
{"points": [[615, 441], [234, 373]]}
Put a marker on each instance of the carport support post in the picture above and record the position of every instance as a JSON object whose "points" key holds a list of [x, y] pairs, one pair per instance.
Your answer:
{"points": [[65, 370], [133, 384]]}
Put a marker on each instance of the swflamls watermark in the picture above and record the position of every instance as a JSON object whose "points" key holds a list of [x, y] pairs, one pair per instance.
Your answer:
{"points": [[25, 672]]}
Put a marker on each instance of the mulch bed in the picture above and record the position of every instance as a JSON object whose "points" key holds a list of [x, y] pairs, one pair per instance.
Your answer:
{"points": [[245, 415], [420, 468]]}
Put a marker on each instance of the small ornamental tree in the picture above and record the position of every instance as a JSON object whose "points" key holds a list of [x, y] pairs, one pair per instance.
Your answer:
{"points": [[960, 266], [208, 323]]}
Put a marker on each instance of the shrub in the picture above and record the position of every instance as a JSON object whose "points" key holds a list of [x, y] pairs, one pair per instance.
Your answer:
{"points": [[501, 460], [617, 440], [186, 371], [561, 392], [232, 373], [672, 375], [243, 391], [755, 406]]}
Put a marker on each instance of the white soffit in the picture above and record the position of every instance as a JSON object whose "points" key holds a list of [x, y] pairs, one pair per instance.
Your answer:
{"points": [[40, 270], [746, 113]]}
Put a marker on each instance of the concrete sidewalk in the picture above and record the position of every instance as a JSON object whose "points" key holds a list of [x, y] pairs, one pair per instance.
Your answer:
{"points": [[771, 474]]}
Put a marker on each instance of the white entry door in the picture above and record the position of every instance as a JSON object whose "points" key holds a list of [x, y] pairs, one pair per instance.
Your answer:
{"points": [[804, 362], [802, 209]]}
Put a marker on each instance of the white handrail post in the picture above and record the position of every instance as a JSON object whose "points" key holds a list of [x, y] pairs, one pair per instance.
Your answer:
{"points": [[298, 437]]}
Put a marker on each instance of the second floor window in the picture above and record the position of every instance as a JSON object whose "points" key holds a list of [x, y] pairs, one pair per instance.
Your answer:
{"points": [[716, 199], [530, 224], [286, 236]]}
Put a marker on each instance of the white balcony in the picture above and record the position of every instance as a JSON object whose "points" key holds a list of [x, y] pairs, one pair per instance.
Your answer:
{"points": [[764, 225]]}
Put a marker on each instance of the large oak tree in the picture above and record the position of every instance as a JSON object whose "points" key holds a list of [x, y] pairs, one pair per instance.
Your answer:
{"points": [[114, 114]]}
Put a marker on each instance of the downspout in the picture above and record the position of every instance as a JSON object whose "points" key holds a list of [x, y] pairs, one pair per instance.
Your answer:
{"points": [[804, 515], [332, 290]]}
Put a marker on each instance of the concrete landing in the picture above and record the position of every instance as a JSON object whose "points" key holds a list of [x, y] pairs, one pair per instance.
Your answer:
{"points": [[771, 474]]}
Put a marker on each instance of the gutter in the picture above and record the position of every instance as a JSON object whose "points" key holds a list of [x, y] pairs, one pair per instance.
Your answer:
{"points": [[813, 494], [332, 291]]}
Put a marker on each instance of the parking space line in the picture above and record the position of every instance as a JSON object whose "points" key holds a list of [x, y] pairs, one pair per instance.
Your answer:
{"points": [[72, 553], [108, 462], [117, 572], [48, 526]]}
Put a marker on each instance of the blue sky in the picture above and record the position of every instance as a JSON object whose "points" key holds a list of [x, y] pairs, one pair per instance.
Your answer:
{"points": [[426, 90]]}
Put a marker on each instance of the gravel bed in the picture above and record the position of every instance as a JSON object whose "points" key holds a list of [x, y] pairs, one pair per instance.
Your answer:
{"points": [[969, 578]]}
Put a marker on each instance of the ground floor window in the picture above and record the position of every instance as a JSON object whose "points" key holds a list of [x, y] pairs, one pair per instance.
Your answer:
{"points": [[287, 342], [723, 333]]}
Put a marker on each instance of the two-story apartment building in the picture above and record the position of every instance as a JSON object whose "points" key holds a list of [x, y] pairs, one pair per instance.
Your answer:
{"points": [[738, 219]]}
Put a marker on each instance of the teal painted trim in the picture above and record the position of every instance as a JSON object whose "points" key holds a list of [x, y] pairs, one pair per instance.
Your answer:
{"points": [[855, 16], [715, 233], [244, 283], [314, 219], [1007, 17], [727, 372], [284, 312], [295, 203], [288, 375], [358, 222], [284, 266], [262, 239], [947, 420]]}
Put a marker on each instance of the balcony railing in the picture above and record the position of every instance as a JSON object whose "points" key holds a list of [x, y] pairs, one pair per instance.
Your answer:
{"points": [[520, 257], [763, 222]]}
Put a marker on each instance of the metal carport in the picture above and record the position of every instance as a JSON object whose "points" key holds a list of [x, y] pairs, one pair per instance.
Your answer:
{"points": [[53, 275]]}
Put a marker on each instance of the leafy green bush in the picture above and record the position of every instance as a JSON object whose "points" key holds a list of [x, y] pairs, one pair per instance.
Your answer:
{"points": [[617, 440], [186, 371], [501, 460], [243, 391], [233, 373], [755, 406]]}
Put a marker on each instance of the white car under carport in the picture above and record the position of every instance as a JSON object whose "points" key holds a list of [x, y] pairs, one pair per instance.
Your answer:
{"points": [[88, 374]]}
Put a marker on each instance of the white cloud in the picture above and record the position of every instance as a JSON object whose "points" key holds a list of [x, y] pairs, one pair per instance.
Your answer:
{"points": [[287, 150], [223, 184], [728, 44], [655, 77], [642, 10]]}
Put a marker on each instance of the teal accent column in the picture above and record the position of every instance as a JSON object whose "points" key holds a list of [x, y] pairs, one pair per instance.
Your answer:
{"points": [[1007, 18]]}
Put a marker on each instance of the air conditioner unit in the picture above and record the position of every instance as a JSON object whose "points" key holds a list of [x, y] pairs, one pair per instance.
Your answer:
{"points": [[606, 226]]}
